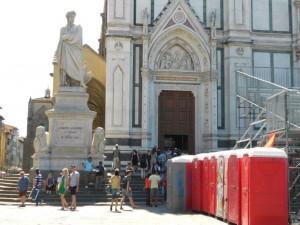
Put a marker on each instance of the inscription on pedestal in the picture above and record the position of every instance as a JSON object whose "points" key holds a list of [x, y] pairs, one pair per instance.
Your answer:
{"points": [[69, 134]]}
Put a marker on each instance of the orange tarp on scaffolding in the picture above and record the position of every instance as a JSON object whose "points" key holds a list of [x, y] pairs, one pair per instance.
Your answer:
{"points": [[271, 141]]}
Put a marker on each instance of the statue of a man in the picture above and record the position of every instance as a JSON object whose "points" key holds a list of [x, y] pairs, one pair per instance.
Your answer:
{"points": [[40, 142], [213, 29], [98, 143], [145, 21], [69, 54]]}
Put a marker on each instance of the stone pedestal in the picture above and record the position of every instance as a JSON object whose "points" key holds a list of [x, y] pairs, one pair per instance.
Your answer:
{"points": [[70, 130]]}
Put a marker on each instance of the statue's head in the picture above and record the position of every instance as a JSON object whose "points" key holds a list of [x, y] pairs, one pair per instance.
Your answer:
{"points": [[70, 16], [99, 130], [40, 130]]}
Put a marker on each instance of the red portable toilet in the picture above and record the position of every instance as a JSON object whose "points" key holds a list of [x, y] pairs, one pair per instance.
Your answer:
{"points": [[264, 187], [232, 195], [212, 191], [220, 185], [179, 183], [205, 184], [197, 183]]}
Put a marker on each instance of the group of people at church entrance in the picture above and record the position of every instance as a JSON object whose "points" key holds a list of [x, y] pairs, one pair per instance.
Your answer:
{"points": [[147, 162]]}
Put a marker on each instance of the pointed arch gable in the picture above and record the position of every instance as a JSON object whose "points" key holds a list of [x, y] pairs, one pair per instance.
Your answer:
{"points": [[196, 49], [179, 23], [180, 14]]}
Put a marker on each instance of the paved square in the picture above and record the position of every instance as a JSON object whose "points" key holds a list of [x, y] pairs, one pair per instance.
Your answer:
{"points": [[86, 215]]}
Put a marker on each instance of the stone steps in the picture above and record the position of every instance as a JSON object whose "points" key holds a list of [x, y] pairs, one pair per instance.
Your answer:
{"points": [[9, 194]]}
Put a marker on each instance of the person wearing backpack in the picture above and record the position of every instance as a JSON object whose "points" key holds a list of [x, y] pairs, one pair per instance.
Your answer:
{"points": [[126, 189], [143, 165]]}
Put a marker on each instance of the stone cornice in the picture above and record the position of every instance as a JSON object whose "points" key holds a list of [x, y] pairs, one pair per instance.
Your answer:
{"points": [[182, 77]]}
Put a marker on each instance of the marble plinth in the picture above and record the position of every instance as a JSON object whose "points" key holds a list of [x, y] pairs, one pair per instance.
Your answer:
{"points": [[70, 130]]}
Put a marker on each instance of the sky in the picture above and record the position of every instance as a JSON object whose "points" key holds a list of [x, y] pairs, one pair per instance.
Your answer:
{"points": [[28, 39]]}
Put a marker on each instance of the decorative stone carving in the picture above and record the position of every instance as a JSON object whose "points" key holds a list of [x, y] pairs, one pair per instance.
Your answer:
{"points": [[176, 58], [40, 142], [240, 51], [145, 21], [213, 29], [98, 143], [179, 17], [118, 45]]}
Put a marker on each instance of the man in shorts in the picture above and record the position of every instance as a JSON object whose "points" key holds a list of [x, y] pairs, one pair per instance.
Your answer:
{"points": [[23, 187], [154, 179], [74, 186], [115, 181]]}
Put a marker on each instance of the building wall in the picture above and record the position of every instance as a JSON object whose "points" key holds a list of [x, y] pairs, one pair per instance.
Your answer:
{"points": [[8, 146], [250, 33], [2, 149], [36, 117], [12, 159]]}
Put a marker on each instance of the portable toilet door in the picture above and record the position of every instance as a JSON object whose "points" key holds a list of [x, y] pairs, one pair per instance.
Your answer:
{"points": [[212, 185], [200, 184], [245, 190], [205, 185], [178, 175], [196, 185], [180, 171], [188, 185], [220, 187], [226, 154], [170, 184], [233, 210], [265, 187]]}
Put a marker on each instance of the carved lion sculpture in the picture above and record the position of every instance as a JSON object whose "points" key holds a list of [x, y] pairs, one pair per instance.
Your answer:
{"points": [[98, 142], [40, 142]]}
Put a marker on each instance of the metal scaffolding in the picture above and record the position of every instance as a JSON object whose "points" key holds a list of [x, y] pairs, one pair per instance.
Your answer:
{"points": [[264, 107]]}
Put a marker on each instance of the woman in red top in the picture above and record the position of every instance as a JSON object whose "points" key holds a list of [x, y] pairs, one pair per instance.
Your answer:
{"points": [[147, 188]]}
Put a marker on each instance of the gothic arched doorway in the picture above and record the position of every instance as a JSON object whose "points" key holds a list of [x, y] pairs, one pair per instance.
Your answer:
{"points": [[176, 120]]}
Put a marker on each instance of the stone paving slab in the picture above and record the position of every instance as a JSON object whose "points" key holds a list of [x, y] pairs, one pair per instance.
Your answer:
{"points": [[100, 215]]}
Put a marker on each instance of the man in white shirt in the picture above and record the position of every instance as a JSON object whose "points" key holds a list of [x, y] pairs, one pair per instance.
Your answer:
{"points": [[154, 179]]}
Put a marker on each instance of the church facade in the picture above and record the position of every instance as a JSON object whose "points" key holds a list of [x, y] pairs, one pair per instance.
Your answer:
{"points": [[170, 67]]}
